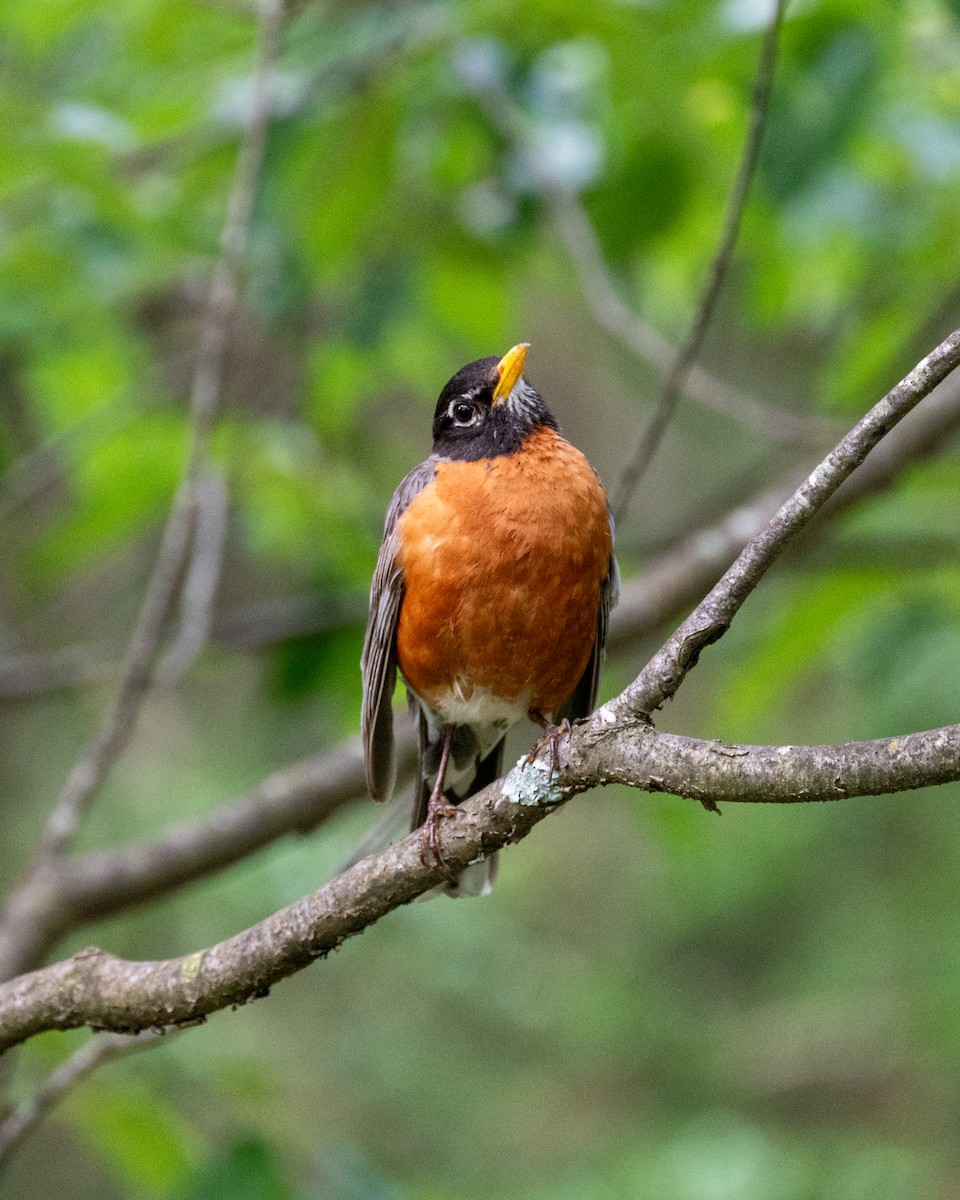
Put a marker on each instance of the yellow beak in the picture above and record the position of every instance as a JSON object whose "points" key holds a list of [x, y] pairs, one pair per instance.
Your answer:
{"points": [[510, 368]]}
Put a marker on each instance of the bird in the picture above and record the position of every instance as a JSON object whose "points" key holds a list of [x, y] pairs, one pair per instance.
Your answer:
{"points": [[491, 595]]}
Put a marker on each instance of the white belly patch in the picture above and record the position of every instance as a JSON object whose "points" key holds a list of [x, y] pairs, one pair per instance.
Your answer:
{"points": [[481, 707]]}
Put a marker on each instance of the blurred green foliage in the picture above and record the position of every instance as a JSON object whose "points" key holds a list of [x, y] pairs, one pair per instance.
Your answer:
{"points": [[654, 1003]]}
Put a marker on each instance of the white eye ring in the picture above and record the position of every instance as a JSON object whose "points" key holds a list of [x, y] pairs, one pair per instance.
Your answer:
{"points": [[461, 403]]}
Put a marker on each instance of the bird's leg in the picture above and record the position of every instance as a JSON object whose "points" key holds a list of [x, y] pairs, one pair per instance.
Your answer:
{"points": [[550, 737], [437, 808]]}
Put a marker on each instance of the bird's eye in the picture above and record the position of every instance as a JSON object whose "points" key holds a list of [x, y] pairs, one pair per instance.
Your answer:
{"points": [[463, 412]]}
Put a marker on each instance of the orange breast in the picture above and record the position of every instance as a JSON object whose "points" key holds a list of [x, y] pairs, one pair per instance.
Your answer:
{"points": [[504, 560]]}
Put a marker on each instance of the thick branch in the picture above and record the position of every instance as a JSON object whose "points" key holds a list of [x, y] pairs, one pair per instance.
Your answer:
{"points": [[96, 989], [300, 798], [715, 772]]}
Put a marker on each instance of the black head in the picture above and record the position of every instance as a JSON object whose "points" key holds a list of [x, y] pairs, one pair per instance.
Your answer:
{"points": [[488, 409]]}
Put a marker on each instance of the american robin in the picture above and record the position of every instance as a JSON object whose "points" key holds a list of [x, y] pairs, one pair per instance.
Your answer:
{"points": [[491, 594]]}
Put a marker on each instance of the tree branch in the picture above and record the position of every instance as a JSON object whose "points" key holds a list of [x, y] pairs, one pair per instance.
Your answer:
{"points": [[675, 381], [679, 577], [118, 725], [651, 347], [661, 677], [298, 799], [97, 989], [86, 887], [715, 772], [102, 1049], [617, 744], [609, 309]]}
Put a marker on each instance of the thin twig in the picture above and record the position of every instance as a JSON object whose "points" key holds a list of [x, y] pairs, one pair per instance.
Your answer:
{"points": [[663, 674], [203, 577], [118, 725], [609, 309], [102, 1048], [681, 575], [243, 628], [675, 382], [612, 313]]}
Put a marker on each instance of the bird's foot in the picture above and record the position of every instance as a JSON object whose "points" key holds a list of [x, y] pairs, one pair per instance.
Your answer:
{"points": [[431, 853], [550, 737]]}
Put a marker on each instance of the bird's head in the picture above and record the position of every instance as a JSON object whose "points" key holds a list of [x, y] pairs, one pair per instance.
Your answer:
{"points": [[488, 409]]}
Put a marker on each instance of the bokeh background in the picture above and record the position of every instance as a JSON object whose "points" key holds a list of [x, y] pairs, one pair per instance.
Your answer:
{"points": [[654, 1002]]}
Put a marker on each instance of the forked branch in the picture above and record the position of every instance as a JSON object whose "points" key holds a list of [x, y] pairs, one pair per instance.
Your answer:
{"points": [[617, 745]]}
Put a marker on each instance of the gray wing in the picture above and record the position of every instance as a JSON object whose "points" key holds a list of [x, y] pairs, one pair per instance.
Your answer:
{"points": [[584, 697], [378, 663]]}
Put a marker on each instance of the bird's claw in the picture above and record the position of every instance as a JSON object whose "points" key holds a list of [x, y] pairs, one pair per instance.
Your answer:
{"points": [[431, 852], [550, 737]]}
